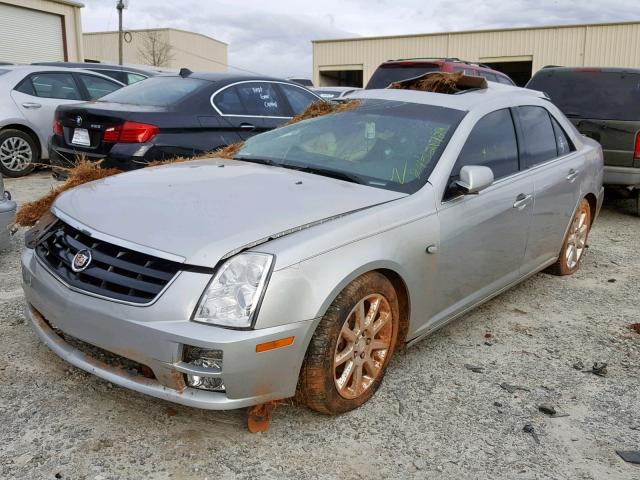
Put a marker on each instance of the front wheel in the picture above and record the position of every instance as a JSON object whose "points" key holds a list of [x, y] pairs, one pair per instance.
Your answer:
{"points": [[352, 346], [575, 242]]}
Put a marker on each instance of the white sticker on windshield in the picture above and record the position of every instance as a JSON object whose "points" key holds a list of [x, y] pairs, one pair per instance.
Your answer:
{"points": [[370, 130]]}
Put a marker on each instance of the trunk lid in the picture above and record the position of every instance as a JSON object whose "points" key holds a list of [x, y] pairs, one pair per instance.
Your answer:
{"points": [[95, 117]]}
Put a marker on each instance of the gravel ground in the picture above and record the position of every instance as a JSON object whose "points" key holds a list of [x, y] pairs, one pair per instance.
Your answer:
{"points": [[432, 417]]}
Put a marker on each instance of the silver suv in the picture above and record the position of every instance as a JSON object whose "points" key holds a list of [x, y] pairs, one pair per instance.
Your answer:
{"points": [[305, 262]]}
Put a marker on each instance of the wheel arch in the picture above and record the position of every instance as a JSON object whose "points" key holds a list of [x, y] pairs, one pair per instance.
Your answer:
{"points": [[593, 206], [392, 272], [29, 131]]}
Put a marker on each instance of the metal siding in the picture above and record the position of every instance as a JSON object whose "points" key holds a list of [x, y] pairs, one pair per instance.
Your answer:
{"points": [[190, 50], [30, 35], [603, 45]]}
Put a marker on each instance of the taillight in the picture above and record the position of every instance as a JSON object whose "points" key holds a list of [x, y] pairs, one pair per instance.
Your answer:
{"points": [[57, 127], [130, 132], [636, 151]]}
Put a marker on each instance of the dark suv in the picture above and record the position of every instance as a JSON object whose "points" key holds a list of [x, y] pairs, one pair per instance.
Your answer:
{"points": [[172, 115], [397, 70], [604, 104]]}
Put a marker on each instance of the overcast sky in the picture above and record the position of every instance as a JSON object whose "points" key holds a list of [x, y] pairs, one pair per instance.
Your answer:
{"points": [[274, 36]]}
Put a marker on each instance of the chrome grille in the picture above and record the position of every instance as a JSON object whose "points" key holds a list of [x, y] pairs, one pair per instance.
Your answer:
{"points": [[114, 272]]}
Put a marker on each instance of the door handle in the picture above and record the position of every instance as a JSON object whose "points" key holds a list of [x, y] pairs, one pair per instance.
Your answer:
{"points": [[31, 105], [247, 126], [572, 175], [521, 201]]}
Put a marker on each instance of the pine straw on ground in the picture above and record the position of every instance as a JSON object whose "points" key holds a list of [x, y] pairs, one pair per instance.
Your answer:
{"points": [[85, 171]]}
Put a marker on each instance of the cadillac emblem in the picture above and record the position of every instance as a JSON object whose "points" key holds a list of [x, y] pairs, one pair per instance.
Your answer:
{"points": [[81, 261], [78, 121]]}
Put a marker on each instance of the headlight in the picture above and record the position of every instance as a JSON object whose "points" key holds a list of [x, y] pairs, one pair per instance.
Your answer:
{"points": [[231, 298]]}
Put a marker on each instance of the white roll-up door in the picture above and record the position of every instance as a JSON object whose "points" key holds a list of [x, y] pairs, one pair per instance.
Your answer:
{"points": [[29, 35]]}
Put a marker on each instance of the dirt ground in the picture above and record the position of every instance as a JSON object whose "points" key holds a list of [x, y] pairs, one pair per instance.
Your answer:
{"points": [[432, 418]]}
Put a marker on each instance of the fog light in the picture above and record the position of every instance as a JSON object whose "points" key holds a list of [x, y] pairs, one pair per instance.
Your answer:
{"points": [[208, 360]]}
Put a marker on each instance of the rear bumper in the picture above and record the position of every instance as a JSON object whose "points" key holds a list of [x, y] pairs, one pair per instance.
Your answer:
{"points": [[155, 336], [627, 176]]}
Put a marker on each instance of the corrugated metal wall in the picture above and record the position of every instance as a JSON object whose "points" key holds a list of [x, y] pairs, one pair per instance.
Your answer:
{"points": [[597, 45], [191, 50], [70, 23]]}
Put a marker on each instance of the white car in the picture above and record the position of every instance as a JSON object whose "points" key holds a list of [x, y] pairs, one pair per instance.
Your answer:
{"points": [[7, 214], [29, 96], [332, 93]]}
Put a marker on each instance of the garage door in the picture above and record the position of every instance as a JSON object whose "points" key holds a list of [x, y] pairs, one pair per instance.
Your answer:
{"points": [[29, 35]]}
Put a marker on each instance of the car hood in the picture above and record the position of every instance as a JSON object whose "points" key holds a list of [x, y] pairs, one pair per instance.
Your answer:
{"points": [[206, 210]]}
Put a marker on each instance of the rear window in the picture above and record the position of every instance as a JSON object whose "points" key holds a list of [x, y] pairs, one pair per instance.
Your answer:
{"points": [[395, 72], [591, 93], [156, 91]]}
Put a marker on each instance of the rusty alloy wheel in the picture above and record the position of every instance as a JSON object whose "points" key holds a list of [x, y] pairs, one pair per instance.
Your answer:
{"points": [[363, 345], [351, 347], [575, 242]]}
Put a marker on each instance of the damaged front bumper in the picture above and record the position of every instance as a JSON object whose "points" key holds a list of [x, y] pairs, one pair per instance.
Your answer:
{"points": [[155, 337]]}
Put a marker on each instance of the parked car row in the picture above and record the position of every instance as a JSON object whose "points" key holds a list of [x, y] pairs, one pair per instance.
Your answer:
{"points": [[29, 96]]}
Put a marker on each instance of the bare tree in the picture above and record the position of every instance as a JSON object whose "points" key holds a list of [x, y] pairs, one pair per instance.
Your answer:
{"points": [[154, 50]]}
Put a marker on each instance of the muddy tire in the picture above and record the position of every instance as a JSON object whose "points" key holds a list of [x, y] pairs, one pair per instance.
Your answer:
{"points": [[575, 242], [19, 153], [351, 347]]}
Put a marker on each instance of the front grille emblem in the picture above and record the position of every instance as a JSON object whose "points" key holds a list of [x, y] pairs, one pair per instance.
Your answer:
{"points": [[78, 121], [81, 261]]}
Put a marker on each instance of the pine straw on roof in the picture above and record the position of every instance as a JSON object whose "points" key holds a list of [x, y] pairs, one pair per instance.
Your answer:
{"points": [[85, 171], [437, 82]]}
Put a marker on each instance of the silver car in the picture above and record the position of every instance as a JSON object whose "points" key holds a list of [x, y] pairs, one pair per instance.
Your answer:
{"points": [[29, 96], [303, 264]]}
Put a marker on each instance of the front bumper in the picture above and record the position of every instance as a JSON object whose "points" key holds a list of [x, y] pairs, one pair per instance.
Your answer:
{"points": [[154, 336]]}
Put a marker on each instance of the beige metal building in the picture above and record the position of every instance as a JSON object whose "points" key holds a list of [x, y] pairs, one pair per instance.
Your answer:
{"points": [[164, 47], [40, 30], [518, 52]]}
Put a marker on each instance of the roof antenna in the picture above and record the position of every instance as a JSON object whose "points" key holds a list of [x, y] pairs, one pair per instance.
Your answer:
{"points": [[185, 72]]}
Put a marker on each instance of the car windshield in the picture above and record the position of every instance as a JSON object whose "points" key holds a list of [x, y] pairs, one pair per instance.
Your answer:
{"points": [[395, 72], [591, 93], [384, 144], [156, 91]]}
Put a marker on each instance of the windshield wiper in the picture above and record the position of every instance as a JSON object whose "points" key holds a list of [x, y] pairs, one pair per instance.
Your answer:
{"points": [[261, 161], [325, 172]]}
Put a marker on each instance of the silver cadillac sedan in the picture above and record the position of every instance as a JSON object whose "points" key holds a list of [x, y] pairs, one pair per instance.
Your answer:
{"points": [[300, 266]]}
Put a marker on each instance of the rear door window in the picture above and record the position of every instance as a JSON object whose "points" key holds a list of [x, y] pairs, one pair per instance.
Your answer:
{"points": [[539, 142], [504, 80], [97, 86], [492, 143], [51, 85], [229, 103], [134, 78], [262, 99], [563, 144], [298, 98], [591, 93]]}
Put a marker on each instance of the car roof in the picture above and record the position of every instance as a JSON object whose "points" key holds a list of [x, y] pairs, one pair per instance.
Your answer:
{"points": [[442, 61], [226, 78], [464, 101], [99, 66], [23, 70]]}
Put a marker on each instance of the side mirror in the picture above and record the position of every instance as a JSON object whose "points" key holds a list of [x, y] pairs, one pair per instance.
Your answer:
{"points": [[474, 178]]}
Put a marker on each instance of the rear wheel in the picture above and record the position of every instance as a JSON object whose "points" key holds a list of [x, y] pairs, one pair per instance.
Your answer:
{"points": [[18, 153], [575, 242], [352, 346]]}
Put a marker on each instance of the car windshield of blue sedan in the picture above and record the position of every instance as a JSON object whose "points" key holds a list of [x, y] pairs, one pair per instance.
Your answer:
{"points": [[384, 144], [155, 91]]}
